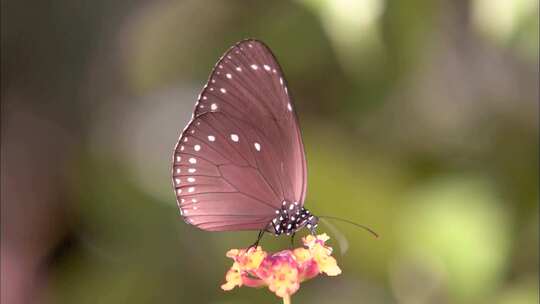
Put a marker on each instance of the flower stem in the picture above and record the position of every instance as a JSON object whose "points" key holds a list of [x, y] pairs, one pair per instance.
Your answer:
{"points": [[287, 299]]}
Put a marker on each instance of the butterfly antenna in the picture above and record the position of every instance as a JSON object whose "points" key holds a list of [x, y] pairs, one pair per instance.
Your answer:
{"points": [[351, 223]]}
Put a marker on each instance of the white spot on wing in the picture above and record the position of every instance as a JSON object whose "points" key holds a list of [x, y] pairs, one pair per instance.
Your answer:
{"points": [[191, 179], [229, 75], [289, 106], [178, 159], [266, 67], [281, 80], [178, 170], [239, 69], [234, 137], [177, 181], [213, 107], [193, 160], [197, 147], [192, 170], [254, 66], [257, 146], [223, 90], [211, 138], [191, 189]]}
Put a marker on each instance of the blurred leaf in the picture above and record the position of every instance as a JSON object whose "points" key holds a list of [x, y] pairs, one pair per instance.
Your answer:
{"points": [[460, 223]]}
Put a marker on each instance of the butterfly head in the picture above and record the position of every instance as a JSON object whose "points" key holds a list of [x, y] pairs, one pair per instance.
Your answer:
{"points": [[292, 217], [312, 223]]}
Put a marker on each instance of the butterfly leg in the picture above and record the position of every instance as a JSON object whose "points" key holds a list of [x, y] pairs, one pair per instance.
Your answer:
{"points": [[259, 237], [292, 240]]}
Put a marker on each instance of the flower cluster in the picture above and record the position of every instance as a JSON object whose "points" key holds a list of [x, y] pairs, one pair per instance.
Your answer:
{"points": [[283, 271]]}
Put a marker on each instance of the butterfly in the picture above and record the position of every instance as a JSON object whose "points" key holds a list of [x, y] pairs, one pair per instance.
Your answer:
{"points": [[240, 164]]}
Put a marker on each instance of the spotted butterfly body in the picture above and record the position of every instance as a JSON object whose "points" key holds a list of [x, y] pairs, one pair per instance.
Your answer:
{"points": [[239, 163]]}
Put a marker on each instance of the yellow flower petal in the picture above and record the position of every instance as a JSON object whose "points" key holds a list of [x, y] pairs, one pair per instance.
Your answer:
{"points": [[233, 278], [309, 240], [302, 255], [322, 254], [329, 266], [232, 253], [253, 258], [284, 280], [323, 237]]}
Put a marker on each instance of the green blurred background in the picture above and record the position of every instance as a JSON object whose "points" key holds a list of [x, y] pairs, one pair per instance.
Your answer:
{"points": [[420, 120]]}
